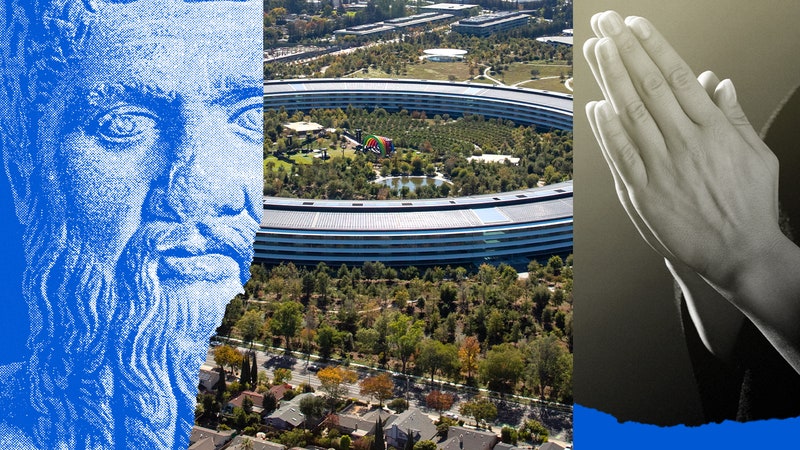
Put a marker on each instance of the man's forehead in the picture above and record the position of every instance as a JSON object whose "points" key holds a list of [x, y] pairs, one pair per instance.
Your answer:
{"points": [[191, 16], [202, 46]]}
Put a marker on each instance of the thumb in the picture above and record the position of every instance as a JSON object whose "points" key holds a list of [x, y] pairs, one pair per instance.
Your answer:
{"points": [[726, 100]]}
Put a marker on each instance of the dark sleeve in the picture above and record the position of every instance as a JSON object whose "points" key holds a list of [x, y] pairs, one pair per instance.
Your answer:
{"points": [[760, 384]]}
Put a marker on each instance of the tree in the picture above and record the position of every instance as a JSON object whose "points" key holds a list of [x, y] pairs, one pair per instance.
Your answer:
{"points": [[547, 362], [405, 337], [327, 338], [380, 387], [425, 445], [410, 441], [398, 405], [332, 381], [247, 404], [344, 442], [282, 375], [379, 443], [250, 326], [508, 435], [440, 401], [434, 356], [270, 403], [481, 409], [312, 406], [221, 387], [468, 354], [253, 371], [244, 375], [287, 321], [225, 355], [502, 368]]}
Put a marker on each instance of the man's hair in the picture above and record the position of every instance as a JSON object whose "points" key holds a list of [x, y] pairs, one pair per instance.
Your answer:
{"points": [[83, 372], [42, 40]]}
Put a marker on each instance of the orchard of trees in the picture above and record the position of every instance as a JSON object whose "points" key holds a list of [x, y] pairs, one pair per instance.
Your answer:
{"points": [[487, 328], [424, 146]]}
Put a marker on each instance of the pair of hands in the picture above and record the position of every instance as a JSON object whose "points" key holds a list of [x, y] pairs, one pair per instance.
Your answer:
{"points": [[695, 178], [697, 182]]}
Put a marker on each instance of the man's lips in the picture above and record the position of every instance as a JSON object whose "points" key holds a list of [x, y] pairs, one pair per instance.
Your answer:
{"points": [[204, 267]]}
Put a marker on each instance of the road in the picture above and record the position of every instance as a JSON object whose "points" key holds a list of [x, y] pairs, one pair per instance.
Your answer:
{"points": [[512, 410]]}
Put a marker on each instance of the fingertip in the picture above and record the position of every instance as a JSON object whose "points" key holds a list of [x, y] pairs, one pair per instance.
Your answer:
{"points": [[709, 81], [640, 27], [588, 46], [605, 49], [604, 111], [595, 27], [725, 93], [590, 107], [610, 23]]}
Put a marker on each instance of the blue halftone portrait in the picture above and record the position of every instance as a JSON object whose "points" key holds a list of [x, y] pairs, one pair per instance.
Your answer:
{"points": [[132, 144]]}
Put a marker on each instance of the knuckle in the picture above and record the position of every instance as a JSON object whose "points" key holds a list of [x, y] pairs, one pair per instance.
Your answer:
{"points": [[653, 84], [680, 77], [636, 111], [737, 118]]}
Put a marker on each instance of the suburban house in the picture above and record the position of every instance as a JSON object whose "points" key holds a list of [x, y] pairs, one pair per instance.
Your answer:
{"points": [[288, 416], [460, 438], [420, 425]]}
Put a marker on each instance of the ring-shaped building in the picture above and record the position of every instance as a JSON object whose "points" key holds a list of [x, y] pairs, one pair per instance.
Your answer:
{"points": [[543, 109], [511, 227]]}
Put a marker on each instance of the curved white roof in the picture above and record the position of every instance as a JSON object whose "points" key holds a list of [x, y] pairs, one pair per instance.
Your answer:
{"points": [[449, 52]]}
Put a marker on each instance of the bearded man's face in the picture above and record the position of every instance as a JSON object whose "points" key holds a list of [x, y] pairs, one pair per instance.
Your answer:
{"points": [[149, 163]]}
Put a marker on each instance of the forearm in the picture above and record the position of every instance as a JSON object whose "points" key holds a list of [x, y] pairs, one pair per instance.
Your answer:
{"points": [[767, 290], [717, 321]]}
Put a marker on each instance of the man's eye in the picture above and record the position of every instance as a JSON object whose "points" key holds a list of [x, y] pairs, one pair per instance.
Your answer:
{"points": [[250, 118], [125, 124]]}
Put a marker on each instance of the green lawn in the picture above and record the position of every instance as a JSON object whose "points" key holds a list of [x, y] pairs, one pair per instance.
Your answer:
{"points": [[550, 84], [277, 163], [300, 158], [522, 71], [426, 71]]}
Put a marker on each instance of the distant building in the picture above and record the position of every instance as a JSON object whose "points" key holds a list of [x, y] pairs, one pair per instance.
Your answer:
{"points": [[256, 398], [208, 439], [444, 54], [512, 228], [487, 24], [369, 29], [254, 443], [414, 420], [209, 377], [460, 438], [450, 8], [363, 425], [551, 446], [427, 18], [279, 390], [288, 416], [504, 446]]}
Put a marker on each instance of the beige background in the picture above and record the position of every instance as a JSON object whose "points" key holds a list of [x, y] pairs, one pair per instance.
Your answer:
{"points": [[630, 358]]}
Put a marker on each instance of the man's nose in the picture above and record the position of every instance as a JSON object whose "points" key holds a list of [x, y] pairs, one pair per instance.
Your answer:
{"points": [[207, 176]]}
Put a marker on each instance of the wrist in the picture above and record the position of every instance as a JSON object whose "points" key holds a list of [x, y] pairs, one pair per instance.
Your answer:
{"points": [[766, 287]]}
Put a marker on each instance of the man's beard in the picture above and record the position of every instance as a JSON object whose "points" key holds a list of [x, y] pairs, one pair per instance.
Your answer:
{"points": [[116, 350]]}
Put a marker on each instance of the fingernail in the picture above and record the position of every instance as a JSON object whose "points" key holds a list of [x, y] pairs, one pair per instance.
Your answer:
{"points": [[611, 23], [605, 110], [728, 91], [606, 48], [641, 29]]}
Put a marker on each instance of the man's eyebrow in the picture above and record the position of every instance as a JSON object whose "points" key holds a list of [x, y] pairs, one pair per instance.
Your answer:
{"points": [[231, 92], [134, 92]]}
